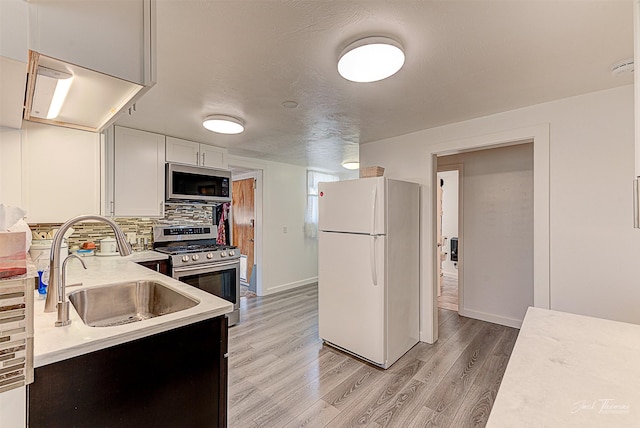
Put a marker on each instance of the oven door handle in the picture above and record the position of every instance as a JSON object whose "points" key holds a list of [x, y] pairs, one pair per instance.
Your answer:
{"points": [[204, 266]]}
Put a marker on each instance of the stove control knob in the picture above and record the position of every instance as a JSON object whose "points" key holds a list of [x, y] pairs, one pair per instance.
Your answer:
{"points": [[209, 255], [231, 253], [195, 257], [185, 258], [223, 254]]}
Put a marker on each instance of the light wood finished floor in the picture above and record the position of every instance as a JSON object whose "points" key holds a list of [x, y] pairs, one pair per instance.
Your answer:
{"points": [[281, 374]]}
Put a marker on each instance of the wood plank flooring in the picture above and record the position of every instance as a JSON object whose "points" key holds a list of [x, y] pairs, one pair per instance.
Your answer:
{"points": [[448, 299], [282, 375]]}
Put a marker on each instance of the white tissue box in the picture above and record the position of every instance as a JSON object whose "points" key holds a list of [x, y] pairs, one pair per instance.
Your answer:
{"points": [[13, 254]]}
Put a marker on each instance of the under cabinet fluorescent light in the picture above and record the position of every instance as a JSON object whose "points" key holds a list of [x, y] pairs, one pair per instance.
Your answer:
{"points": [[51, 89]]}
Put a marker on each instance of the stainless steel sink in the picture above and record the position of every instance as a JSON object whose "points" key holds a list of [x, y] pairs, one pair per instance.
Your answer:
{"points": [[127, 302]]}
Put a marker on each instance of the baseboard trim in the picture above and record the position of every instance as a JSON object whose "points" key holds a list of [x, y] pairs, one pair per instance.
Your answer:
{"points": [[290, 286], [496, 319]]}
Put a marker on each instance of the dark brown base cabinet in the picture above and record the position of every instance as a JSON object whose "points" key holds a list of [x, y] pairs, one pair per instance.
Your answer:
{"points": [[161, 266], [176, 378]]}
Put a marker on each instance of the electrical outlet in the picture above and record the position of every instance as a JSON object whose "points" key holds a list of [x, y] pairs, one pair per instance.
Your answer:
{"points": [[285, 229]]}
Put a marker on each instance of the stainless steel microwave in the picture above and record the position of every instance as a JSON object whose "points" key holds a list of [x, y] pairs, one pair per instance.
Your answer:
{"points": [[188, 183]]}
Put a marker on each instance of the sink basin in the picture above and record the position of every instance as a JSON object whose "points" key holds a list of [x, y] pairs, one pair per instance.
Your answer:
{"points": [[127, 302]]}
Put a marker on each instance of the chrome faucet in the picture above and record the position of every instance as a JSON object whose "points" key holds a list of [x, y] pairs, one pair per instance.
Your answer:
{"points": [[55, 278], [63, 303]]}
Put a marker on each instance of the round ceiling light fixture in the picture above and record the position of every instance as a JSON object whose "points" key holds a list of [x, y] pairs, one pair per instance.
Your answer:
{"points": [[371, 59], [223, 124], [623, 67], [351, 165]]}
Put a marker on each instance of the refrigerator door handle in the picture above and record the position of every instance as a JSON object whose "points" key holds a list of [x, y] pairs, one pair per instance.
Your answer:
{"points": [[374, 267], [374, 197]]}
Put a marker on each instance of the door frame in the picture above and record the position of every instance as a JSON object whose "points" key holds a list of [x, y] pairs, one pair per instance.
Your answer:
{"points": [[460, 168], [257, 231], [539, 136]]}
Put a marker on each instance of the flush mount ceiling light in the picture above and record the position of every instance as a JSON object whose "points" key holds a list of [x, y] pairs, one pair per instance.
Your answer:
{"points": [[623, 67], [223, 124], [51, 89], [351, 164], [371, 59]]}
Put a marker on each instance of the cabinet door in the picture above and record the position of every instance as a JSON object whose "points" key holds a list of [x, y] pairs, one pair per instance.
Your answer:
{"points": [[139, 173], [161, 266], [111, 36], [214, 157], [61, 173], [14, 30], [182, 151]]}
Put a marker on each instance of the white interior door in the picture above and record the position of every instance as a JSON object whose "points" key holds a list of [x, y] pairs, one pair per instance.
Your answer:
{"points": [[351, 307]]}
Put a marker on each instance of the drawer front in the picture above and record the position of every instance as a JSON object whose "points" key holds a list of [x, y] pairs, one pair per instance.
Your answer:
{"points": [[16, 333]]}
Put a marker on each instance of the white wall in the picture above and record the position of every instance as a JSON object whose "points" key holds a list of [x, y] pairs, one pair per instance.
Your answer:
{"points": [[449, 217], [11, 167], [593, 246], [289, 259], [496, 246]]}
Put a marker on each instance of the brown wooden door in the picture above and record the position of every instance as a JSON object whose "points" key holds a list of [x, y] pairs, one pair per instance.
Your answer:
{"points": [[243, 219]]}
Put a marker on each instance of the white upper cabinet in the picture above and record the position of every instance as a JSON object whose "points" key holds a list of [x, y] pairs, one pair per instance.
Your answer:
{"points": [[14, 30], [213, 157], [137, 174], [192, 153], [13, 60], [60, 172], [103, 50], [114, 37]]}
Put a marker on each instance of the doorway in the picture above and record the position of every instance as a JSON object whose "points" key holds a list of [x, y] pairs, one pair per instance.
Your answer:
{"points": [[243, 205], [539, 135], [246, 227], [448, 236], [495, 246]]}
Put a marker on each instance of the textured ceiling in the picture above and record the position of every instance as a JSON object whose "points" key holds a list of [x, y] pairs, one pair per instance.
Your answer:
{"points": [[465, 59]]}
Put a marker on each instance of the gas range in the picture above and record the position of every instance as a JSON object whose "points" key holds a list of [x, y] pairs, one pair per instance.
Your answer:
{"points": [[196, 259], [192, 245]]}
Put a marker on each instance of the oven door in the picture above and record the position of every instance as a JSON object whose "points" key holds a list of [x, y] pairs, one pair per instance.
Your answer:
{"points": [[220, 279]]}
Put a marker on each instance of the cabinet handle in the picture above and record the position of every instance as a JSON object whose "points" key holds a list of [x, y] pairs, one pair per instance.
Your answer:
{"points": [[113, 208], [197, 157], [202, 158], [157, 267], [161, 208]]}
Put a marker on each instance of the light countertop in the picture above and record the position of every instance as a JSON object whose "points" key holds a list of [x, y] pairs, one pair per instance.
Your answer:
{"points": [[570, 370], [53, 344]]}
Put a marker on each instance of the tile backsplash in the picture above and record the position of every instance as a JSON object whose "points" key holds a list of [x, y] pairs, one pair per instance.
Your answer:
{"points": [[142, 227]]}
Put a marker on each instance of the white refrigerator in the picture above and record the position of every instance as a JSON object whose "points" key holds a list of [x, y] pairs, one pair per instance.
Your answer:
{"points": [[368, 267]]}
